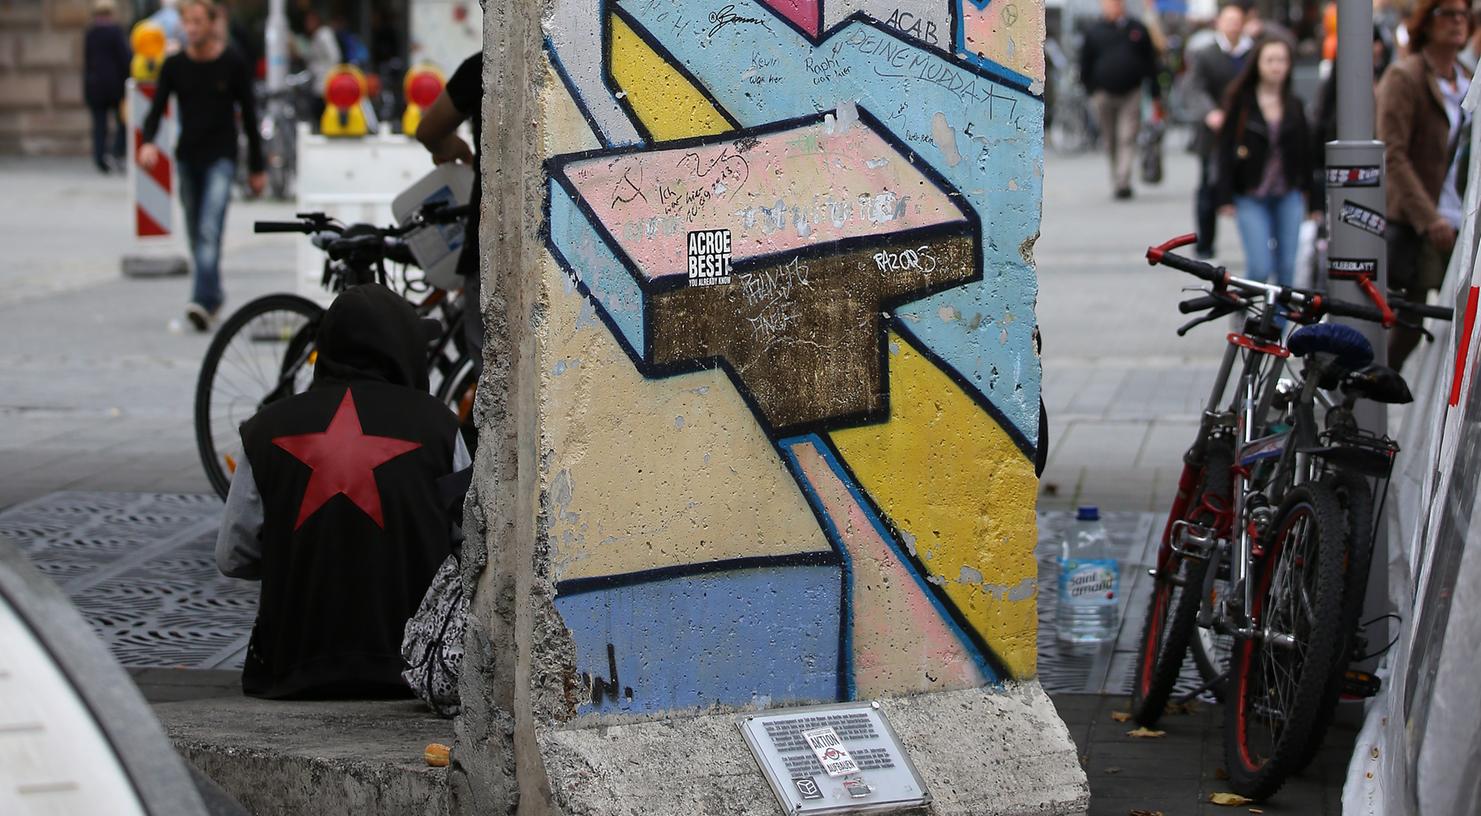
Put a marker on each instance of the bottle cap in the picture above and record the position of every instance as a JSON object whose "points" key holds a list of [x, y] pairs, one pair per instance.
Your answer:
{"points": [[1087, 512]]}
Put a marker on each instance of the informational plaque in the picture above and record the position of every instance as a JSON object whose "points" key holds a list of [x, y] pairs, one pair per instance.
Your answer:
{"points": [[841, 758]]}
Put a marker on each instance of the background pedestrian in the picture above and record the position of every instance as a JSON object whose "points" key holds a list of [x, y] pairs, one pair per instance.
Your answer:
{"points": [[212, 87], [1421, 122], [1213, 69], [1117, 59], [105, 67], [1264, 162]]}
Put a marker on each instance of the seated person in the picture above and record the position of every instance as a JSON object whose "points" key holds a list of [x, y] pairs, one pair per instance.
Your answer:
{"points": [[335, 507]]}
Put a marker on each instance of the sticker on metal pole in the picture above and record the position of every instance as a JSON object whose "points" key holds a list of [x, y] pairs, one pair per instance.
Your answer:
{"points": [[1365, 219], [842, 758], [1364, 176]]}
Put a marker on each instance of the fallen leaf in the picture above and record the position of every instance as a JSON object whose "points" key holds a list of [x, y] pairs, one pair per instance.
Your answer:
{"points": [[436, 754], [1145, 733], [1256, 811], [1120, 716], [1182, 708], [1113, 770], [1230, 799], [1220, 773], [1145, 813]]}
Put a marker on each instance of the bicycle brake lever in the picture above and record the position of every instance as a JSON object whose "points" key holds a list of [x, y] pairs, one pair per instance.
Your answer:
{"points": [[1212, 315]]}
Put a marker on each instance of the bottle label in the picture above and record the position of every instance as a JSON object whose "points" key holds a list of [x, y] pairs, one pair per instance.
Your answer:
{"points": [[1089, 581]]}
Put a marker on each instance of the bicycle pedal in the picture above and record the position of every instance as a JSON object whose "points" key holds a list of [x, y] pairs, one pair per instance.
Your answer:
{"points": [[1361, 684]]}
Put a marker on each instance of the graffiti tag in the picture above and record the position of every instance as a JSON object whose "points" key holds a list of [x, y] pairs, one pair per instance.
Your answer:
{"points": [[906, 260], [917, 27], [627, 191], [902, 61], [768, 293], [731, 170], [726, 16], [606, 688]]}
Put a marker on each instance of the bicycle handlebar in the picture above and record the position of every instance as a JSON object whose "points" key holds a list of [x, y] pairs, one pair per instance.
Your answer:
{"points": [[1422, 309], [1312, 305], [281, 226]]}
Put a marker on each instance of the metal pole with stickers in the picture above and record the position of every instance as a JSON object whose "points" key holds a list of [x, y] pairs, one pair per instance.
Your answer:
{"points": [[1357, 256]]}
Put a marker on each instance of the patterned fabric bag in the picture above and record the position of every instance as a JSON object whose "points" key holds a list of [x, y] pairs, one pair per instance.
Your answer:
{"points": [[433, 643]]}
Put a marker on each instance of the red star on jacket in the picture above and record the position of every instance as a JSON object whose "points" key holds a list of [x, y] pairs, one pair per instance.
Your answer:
{"points": [[343, 459]]}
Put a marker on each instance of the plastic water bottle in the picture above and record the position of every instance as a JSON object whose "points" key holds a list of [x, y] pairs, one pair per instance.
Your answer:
{"points": [[1089, 582]]}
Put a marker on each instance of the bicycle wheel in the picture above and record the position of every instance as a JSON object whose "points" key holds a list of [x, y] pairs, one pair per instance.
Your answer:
{"points": [[1356, 499], [457, 392], [1177, 593], [1276, 682], [262, 353], [1211, 649]]}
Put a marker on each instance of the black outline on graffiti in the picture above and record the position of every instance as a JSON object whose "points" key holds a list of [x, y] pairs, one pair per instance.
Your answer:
{"points": [[658, 48]]}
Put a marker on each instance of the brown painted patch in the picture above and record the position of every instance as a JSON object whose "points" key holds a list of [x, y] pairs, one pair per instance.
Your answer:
{"points": [[804, 336]]}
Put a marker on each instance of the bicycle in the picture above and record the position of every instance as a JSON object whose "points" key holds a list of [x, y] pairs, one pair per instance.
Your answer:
{"points": [[265, 350], [1279, 508]]}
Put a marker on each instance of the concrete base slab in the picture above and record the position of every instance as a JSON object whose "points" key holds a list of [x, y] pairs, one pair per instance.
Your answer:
{"points": [[986, 752], [329, 758], [154, 266]]}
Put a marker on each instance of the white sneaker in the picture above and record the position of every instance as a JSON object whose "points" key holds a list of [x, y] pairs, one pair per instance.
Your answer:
{"points": [[200, 319]]}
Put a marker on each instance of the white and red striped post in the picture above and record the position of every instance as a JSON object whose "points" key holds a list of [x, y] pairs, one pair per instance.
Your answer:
{"points": [[157, 246]]}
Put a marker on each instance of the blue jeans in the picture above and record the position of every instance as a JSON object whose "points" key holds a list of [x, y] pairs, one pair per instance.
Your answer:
{"points": [[1270, 229], [205, 190]]}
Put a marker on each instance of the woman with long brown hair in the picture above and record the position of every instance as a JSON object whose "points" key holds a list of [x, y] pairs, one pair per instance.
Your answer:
{"points": [[1421, 122], [1265, 163]]}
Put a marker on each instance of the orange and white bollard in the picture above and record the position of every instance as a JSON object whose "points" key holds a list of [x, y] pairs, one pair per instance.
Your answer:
{"points": [[157, 248]]}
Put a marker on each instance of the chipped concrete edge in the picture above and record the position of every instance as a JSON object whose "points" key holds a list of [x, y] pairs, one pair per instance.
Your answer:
{"points": [[995, 752]]}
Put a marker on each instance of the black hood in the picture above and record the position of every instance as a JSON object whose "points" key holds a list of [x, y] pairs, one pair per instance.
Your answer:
{"points": [[371, 333]]}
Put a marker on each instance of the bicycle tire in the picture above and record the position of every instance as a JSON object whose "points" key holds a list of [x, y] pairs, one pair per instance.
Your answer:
{"points": [[1305, 544], [1211, 650], [1356, 498], [1172, 613], [458, 392], [211, 429]]}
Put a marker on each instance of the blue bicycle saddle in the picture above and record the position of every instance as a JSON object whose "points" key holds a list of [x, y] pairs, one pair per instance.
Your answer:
{"points": [[1352, 349]]}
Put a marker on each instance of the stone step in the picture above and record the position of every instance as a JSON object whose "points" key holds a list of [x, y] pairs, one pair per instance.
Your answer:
{"points": [[329, 758]]}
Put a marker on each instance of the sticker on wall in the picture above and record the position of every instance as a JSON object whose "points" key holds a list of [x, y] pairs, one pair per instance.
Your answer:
{"points": [[1364, 176], [829, 749], [1371, 221], [709, 257]]}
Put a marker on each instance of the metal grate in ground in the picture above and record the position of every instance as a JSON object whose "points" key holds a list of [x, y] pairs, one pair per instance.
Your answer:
{"points": [[141, 569]]}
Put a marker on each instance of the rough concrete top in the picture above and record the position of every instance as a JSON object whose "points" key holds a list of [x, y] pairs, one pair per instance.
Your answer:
{"points": [[980, 751], [381, 732]]}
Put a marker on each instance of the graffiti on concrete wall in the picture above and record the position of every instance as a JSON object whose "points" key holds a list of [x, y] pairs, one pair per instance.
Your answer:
{"points": [[791, 388]]}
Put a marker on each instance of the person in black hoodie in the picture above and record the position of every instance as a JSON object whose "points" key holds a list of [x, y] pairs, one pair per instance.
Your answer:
{"points": [[336, 510], [1264, 174], [1116, 60], [105, 66]]}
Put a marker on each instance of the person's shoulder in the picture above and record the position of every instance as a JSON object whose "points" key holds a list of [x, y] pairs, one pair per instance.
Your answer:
{"points": [[1409, 68]]}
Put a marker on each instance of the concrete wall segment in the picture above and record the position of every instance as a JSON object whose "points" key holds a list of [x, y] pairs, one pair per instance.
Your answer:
{"points": [[708, 477]]}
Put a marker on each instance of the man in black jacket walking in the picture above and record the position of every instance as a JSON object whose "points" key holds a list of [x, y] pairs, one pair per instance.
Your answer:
{"points": [[1117, 58], [105, 66], [212, 86]]}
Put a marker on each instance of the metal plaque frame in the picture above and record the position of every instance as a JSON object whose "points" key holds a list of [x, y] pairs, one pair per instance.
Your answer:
{"points": [[799, 789]]}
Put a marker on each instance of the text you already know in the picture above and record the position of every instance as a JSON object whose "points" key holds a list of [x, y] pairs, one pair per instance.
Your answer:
{"points": [[709, 257]]}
